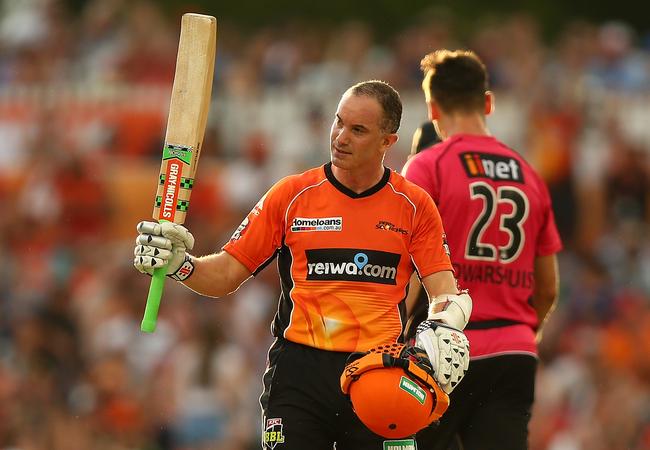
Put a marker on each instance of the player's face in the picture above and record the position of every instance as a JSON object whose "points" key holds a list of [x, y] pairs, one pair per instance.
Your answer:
{"points": [[357, 140]]}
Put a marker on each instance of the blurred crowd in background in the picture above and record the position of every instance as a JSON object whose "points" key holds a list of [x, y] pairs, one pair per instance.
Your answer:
{"points": [[83, 104]]}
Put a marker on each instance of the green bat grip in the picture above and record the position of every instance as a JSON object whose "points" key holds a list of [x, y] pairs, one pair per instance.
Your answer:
{"points": [[156, 288], [148, 324]]}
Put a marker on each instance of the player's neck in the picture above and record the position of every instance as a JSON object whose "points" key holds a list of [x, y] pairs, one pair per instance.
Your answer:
{"points": [[473, 124], [358, 180]]}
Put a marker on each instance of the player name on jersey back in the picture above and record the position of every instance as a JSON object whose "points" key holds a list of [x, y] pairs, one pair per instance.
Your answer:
{"points": [[494, 167]]}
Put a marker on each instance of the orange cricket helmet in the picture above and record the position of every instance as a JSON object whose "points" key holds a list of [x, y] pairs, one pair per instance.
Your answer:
{"points": [[392, 390]]}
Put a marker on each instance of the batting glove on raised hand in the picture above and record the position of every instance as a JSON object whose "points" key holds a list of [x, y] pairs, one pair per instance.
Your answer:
{"points": [[164, 244], [448, 350]]}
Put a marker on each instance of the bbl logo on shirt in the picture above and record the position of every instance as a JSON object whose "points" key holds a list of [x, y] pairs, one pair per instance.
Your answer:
{"points": [[348, 264], [273, 433], [494, 167]]}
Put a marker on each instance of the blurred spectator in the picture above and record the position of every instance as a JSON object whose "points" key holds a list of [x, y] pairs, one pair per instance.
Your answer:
{"points": [[618, 65], [150, 47]]}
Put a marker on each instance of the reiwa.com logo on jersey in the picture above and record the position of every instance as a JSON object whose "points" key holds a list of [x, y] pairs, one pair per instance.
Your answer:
{"points": [[302, 224], [348, 264]]}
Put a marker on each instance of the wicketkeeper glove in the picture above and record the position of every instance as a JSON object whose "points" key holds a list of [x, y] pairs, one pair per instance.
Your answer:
{"points": [[164, 244], [448, 350]]}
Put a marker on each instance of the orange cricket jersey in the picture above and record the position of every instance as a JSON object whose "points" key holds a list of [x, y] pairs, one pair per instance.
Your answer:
{"points": [[344, 259]]}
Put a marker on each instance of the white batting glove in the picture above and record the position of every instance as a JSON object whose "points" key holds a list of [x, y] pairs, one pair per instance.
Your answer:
{"points": [[448, 350], [164, 244], [451, 309]]}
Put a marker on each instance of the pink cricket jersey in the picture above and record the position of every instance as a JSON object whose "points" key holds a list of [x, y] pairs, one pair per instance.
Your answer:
{"points": [[497, 214]]}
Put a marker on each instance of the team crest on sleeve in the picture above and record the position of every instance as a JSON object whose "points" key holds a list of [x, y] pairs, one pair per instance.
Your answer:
{"points": [[273, 434], [257, 209], [240, 229]]}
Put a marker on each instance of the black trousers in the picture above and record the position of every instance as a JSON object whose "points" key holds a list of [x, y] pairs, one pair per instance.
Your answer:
{"points": [[489, 410], [303, 406]]}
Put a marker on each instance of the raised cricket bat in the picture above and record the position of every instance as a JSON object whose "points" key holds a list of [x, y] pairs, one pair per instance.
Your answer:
{"points": [[188, 114]]}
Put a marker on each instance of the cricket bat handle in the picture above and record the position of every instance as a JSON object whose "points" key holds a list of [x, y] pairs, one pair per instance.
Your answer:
{"points": [[148, 324]]}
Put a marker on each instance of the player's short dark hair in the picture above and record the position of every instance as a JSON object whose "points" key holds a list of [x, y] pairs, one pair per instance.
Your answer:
{"points": [[455, 80], [387, 97]]}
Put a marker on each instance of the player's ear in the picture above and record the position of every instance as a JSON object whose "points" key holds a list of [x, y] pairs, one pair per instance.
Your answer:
{"points": [[390, 139], [489, 102], [434, 111]]}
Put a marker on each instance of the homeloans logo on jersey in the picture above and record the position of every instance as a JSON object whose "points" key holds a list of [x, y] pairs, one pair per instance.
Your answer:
{"points": [[317, 224], [348, 264], [494, 167]]}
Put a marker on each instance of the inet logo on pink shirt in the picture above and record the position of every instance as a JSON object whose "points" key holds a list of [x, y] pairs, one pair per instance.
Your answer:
{"points": [[494, 167]]}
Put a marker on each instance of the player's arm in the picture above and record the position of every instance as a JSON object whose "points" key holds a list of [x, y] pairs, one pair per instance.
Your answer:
{"points": [[440, 283], [440, 335], [440, 286], [446, 303], [166, 245], [217, 275], [415, 287], [545, 294]]}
